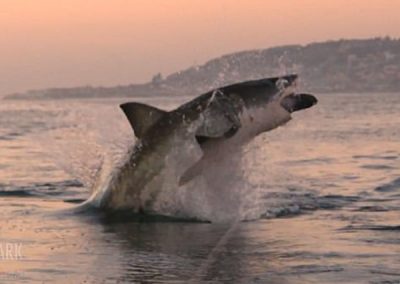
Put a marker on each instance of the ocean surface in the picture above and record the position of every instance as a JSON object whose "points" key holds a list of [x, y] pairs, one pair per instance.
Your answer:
{"points": [[327, 208]]}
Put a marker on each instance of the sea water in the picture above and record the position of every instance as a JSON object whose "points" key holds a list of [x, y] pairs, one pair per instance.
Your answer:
{"points": [[326, 208]]}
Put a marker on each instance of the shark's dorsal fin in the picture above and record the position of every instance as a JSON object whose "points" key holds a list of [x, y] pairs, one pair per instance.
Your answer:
{"points": [[141, 116]]}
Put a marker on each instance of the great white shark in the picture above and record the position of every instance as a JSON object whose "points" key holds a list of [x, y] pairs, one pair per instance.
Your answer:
{"points": [[194, 139]]}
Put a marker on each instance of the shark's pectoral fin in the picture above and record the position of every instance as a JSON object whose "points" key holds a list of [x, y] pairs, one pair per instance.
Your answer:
{"points": [[221, 117], [141, 116]]}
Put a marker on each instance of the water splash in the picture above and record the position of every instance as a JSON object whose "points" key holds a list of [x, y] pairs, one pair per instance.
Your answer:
{"points": [[80, 138], [91, 142]]}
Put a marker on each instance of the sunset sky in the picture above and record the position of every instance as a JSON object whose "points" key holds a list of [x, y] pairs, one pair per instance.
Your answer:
{"points": [[62, 43]]}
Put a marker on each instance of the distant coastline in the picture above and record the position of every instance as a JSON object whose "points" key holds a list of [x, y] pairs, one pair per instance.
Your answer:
{"points": [[357, 65]]}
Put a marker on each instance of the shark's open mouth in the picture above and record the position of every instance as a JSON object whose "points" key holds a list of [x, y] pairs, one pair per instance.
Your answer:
{"points": [[295, 102]]}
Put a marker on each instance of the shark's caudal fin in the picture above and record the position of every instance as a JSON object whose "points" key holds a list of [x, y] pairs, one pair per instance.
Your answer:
{"points": [[141, 116]]}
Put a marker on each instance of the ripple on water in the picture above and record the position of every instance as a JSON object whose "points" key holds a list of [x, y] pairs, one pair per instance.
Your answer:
{"points": [[389, 187], [377, 167], [310, 269], [372, 228], [376, 157], [281, 204], [49, 189], [373, 208]]}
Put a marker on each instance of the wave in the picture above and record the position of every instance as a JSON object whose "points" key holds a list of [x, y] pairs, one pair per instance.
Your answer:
{"points": [[49, 189], [389, 187]]}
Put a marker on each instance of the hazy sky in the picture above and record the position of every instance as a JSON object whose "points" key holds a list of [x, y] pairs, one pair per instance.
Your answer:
{"points": [[57, 43]]}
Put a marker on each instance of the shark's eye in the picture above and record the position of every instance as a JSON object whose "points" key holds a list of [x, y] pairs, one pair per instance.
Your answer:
{"points": [[282, 83]]}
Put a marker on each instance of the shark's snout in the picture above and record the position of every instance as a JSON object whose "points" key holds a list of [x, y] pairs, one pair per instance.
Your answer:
{"points": [[297, 102]]}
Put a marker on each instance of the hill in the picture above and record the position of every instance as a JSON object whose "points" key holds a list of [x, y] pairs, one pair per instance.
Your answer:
{"points": [[368, 65]]}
